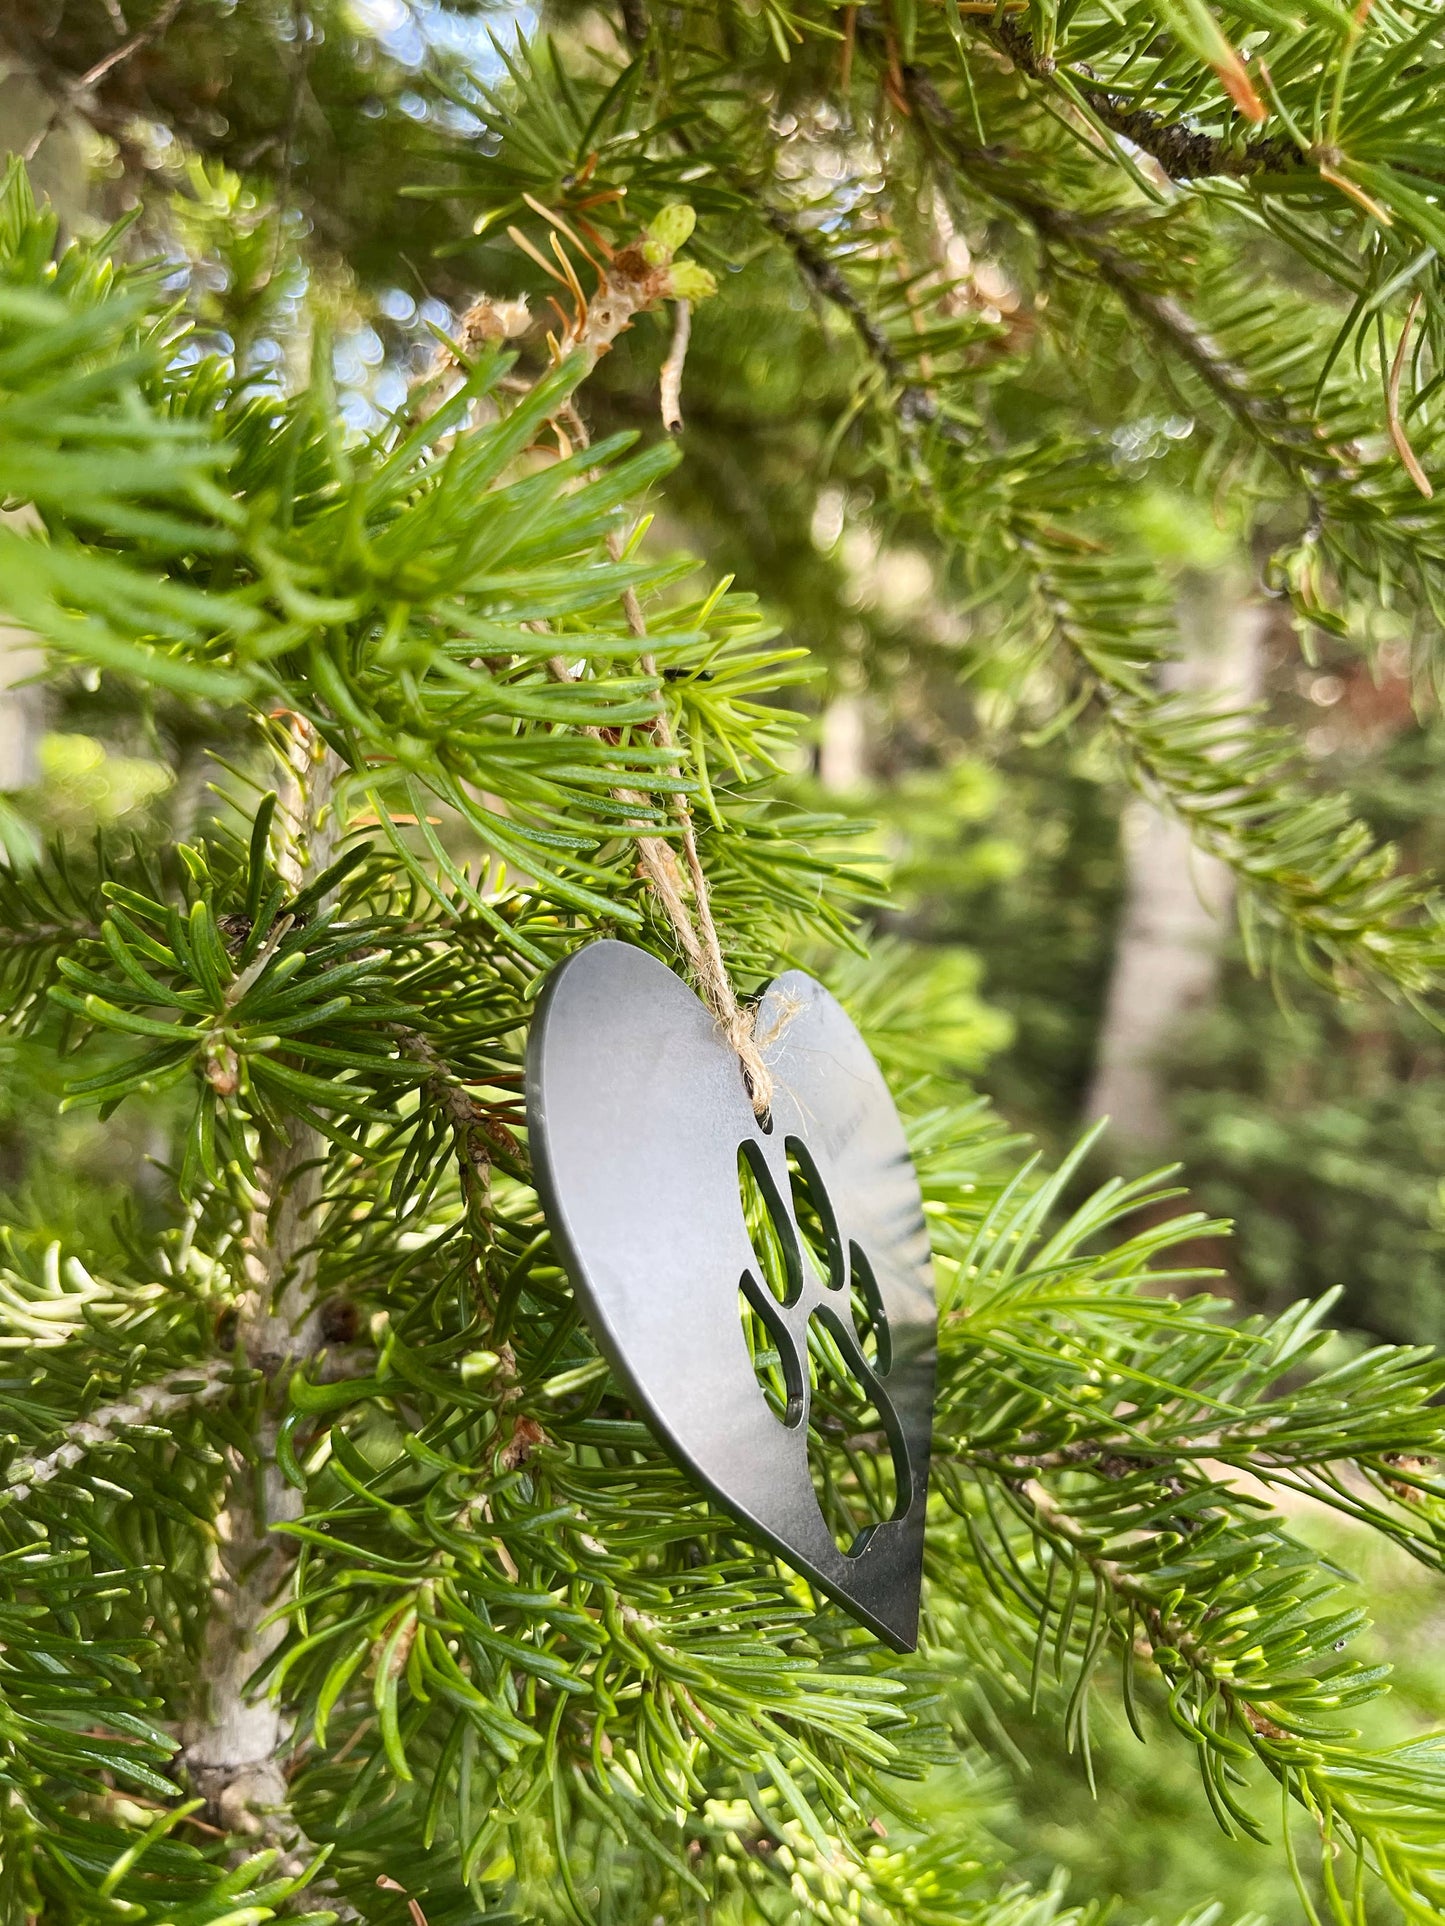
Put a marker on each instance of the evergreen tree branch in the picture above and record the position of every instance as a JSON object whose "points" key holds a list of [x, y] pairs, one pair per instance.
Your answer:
{"points": [[1356, 500], [828, 282], [1370, 1809], [1136, 284], [1104, 1526], [537, 1672], [1183, 151], [235, 1739], [1304, 867], [148, 1404]]}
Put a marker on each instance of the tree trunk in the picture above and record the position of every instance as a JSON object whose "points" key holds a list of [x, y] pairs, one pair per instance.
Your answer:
{"points": [[21, 710], [33, 124], [1177, 899]]}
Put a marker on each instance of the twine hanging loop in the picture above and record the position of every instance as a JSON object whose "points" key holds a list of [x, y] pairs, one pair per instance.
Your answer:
{"points": [[696, 931]]}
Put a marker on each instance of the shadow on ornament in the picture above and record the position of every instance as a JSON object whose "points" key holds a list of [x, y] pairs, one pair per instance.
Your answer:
{"points": [[761, 1286]]}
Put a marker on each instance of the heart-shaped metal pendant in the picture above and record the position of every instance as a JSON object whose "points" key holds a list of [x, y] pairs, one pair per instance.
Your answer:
{"points": [[651, 1166]]}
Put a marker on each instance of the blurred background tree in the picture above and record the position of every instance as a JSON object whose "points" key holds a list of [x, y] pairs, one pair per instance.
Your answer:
{"points": [[1004, 294]]}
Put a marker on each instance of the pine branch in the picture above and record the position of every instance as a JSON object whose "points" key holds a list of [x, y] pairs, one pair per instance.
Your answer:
{"points": [[537, 1673], [1303, 865], [1087, 238], [1102, 1528], [828, 282], [1183, 151], [235, 1741], [481, 1140], [1373, 1808], [148, 1404]]}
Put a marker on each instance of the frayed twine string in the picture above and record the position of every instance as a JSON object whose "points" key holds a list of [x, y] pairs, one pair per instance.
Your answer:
{"points": [[696, 932], [697, 938], [593, 328]]}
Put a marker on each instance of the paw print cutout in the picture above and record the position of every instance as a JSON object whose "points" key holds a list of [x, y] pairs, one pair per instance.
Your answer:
{"points": [[762, 1287]]}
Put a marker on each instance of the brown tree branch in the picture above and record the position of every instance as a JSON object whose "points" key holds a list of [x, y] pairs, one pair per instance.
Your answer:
{"points": [[827, 280], [1077, 235], [1174, 329], [1183, 152], [635, 22], [152, 30], [82, 83]]}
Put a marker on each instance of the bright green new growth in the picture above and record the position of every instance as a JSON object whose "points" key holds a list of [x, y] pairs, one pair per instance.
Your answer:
{"points": [[524, 1671]]}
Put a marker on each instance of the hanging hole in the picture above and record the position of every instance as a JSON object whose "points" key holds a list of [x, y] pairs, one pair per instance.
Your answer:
{"points": [[869, 1318], [774, 1361], [814, 1215], [765, 1115], [855, 1451], [774, 1245]]}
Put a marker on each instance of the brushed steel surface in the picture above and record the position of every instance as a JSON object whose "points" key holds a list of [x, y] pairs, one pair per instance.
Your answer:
{"points": [[637, 1111]]}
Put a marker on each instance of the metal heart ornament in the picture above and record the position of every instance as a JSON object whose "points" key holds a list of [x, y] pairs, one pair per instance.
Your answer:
{"points": [[639, 1118]]}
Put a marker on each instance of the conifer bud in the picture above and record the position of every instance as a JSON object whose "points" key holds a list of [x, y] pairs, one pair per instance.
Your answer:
{"points": [[667, 233], [690, 282]]}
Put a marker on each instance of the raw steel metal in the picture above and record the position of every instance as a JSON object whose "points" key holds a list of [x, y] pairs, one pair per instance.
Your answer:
{"points": [[637, 1111]]}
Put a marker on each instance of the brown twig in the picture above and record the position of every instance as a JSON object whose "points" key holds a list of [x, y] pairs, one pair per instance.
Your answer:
{"points": [[1408, 458], [669, 381], [830, 284], [1184, 153], [152, 30], [635, 23]]}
